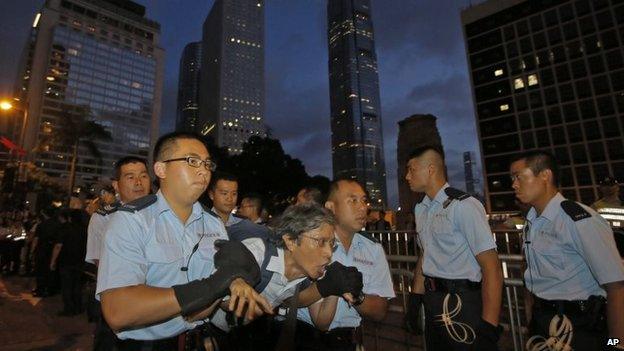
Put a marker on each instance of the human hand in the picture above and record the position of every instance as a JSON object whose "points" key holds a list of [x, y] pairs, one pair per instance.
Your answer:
{"points": [[244, 300]]}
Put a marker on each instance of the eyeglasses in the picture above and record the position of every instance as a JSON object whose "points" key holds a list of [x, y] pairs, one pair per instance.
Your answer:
{"points": [[321, 243], [196, 162]]}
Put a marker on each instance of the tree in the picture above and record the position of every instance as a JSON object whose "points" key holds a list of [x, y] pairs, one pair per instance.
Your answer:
{"points": [[75, 128]]}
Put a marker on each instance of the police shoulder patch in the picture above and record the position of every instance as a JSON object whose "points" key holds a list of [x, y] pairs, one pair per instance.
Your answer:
{"points": [[370, 237], [139, 204], [574, 210], [209, 211], [456, 194]]}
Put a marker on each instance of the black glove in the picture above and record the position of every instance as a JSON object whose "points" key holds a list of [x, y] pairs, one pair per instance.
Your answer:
{"points": [[486, 337], [413, 311], [340, 279], [232, 260]]}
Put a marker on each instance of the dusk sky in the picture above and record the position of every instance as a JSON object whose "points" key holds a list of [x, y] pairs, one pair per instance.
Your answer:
{"points": [[420, 52]]}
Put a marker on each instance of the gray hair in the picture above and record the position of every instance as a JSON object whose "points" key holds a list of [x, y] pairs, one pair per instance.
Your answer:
{"points": [[299, 219]]}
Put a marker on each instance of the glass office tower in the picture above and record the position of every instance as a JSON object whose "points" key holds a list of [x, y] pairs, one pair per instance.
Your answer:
{"points": [[187, 111], [548, 75], [102, 55], [357, 139]]}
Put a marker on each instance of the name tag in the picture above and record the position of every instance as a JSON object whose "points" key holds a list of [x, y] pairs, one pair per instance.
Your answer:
{"points": [[209, 235], [364, 261]]}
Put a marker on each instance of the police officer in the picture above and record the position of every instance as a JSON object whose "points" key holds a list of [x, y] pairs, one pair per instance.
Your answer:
{"points": [[299, 251], [458, 270], [130, 182], [572, 262], [333, 322], [157, 277], [223, 191]]}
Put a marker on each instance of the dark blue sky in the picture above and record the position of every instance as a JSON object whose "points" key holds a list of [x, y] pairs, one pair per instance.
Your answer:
{"points": [[420, 51]]}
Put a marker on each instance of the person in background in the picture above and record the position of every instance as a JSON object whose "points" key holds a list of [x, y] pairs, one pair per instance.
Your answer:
{"points": [[610, 192]]}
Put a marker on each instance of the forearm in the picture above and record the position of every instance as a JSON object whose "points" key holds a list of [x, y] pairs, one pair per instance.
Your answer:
{"points": [[138, 305], [55, 253], [374, 307], [418, 284], [322, 313], [308, 296], [491, 286], [615, 306]]}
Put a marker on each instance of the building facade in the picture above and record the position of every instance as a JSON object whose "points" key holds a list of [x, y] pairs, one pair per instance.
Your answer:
{"points": [[548, 75], [96, 56], [232, 73], [468, 174], [187, 111], [357, 138]]}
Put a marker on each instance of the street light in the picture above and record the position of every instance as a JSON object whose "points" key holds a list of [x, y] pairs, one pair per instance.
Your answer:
{"points": [[6, 105]]}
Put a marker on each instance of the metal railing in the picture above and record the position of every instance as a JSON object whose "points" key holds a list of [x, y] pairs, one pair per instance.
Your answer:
{"points": [[401, 253]]}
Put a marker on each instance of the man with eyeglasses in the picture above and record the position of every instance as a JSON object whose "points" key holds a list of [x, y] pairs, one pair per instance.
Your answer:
{"points": [[333, 322], [166, 262], [298, 253], [130, 182], [574, 272]]}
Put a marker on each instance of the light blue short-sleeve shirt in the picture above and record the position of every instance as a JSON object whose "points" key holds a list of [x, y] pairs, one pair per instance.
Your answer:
{"points": [[568, 259], [369, 258], [452, 234], [149, 247]]}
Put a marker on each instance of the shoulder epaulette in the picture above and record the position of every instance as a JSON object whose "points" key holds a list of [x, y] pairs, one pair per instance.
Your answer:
{"points": [[209, 211], [108, 209], [574, 210], [139, 204], [454, 194], [370, 237]]}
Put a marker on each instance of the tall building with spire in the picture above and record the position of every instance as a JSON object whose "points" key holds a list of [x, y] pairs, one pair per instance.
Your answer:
{"points": [[231, 107], [100, 56], [187, 111], [357, 139]]}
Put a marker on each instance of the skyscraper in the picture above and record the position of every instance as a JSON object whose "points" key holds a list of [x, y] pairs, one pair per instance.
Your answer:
{"points": [[232, 73], [548, 75], [188, 87], [357, 140], [103, 55], [468, 175]]}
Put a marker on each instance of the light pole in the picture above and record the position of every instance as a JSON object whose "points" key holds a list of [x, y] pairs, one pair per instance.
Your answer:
{"points": [[7, 105], [18, 148]]}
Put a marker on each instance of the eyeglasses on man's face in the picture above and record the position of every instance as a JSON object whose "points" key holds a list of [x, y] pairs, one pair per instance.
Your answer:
{"points": [[321, 243], [195, 162]]}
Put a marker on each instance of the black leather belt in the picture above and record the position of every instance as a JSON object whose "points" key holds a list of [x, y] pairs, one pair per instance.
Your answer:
{"points": [[189, 340], [433, 284], [569, 307], [342, 335]]}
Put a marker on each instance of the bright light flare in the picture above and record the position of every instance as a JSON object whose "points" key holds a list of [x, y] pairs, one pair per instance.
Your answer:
{"points": [[5, 105]]}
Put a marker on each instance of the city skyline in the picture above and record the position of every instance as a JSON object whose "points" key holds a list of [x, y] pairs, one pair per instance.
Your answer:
{"points": [[422, 69]]}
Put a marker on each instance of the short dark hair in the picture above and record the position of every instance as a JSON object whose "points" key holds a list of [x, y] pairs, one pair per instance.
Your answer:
{"points": [[314, 194], [419, 151], [217, 176], [299, 219], [334, 186], [124, 161], [538, 161], [167, 142], [256, 199]]}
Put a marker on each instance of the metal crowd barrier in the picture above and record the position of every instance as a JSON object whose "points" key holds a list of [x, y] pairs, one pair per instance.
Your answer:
{"points": [[401, 253]]}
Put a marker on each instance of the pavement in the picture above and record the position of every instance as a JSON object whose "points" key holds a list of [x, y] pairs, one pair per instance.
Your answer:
{"points": [[31, 323]]}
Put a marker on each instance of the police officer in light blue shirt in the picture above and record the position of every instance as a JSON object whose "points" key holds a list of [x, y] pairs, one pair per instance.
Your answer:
{"points": [[157, 274], [458, 267], [130, 182], [572, 262], [331, 324]]}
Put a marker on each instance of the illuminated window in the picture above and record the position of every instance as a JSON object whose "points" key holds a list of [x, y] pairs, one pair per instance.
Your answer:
{"points": [[504, 107], [498, 72], [533, 79], [518, 83]]}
